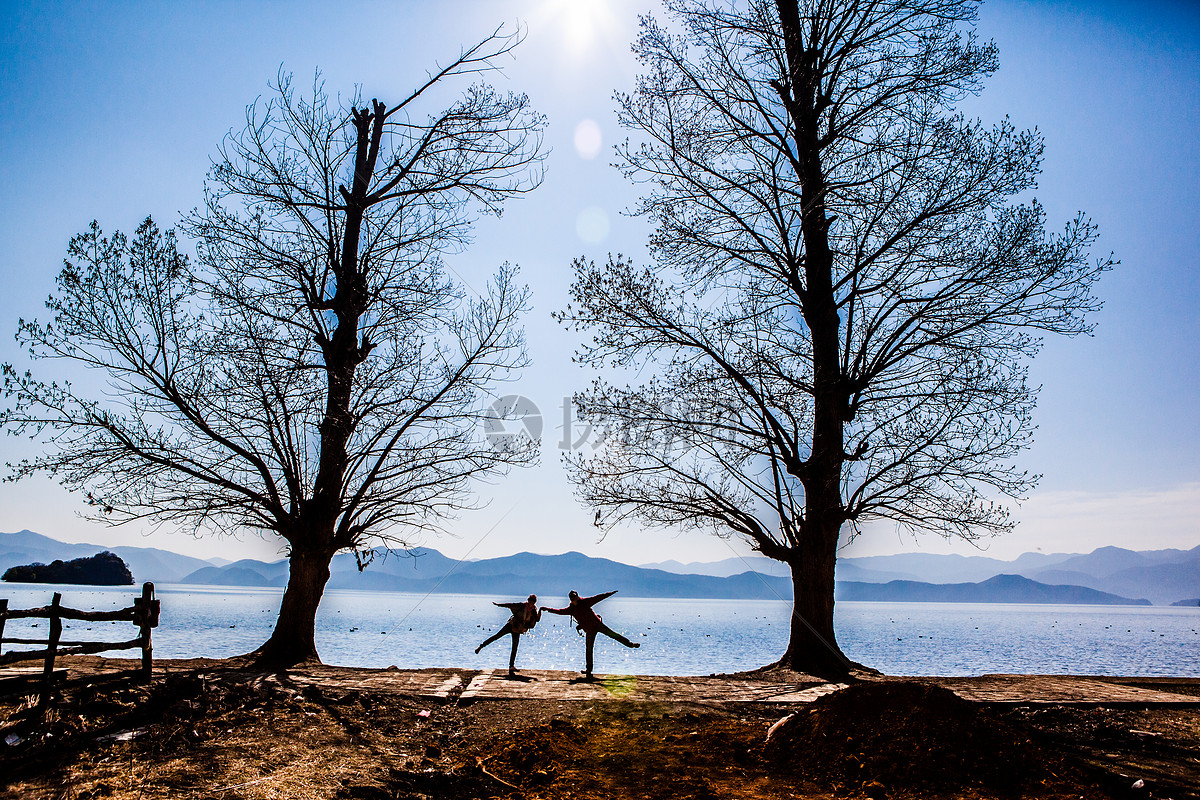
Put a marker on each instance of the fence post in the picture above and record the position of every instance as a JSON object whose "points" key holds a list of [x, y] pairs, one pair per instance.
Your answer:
{"points": [[51, 649], [146, 616], [3, 617]]}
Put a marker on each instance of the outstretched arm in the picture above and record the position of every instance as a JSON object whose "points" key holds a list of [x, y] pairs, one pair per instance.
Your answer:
{"points": [[509, 606], [596, 598], [566, 610]]}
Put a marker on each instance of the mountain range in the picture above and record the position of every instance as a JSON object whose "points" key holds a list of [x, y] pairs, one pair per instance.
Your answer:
{"points": [[1162, 576], [1109, 575]]}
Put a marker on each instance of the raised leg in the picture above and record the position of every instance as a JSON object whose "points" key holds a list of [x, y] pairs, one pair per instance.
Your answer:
{"points": [[506, 629], [610, 633]]}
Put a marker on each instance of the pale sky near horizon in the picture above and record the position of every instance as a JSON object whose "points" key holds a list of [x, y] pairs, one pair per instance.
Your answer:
{"points": [[111, 112]]}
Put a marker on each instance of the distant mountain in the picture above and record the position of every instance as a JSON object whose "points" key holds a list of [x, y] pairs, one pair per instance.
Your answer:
{"points": [[229, 575], [867, 570], [1109, 560], [848, 570], [1162, 583], [725, 567], [930, 567], [998, 589], [246, 572], [553, 576], [1162, 576], [426, 570], [1192, 601], [146, 563]]}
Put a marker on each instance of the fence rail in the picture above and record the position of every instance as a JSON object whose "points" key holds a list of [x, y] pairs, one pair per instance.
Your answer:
{"points": [[143, 613]]}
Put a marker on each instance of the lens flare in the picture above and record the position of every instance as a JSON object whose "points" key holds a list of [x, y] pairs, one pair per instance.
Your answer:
{"points": [[588, 139], [592, 225]]}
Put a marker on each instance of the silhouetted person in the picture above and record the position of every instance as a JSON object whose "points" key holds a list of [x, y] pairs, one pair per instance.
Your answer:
{"points": [[591, 623], [524, 617]]}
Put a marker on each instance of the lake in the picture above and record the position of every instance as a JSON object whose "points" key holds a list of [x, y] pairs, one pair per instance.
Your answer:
{"points": [[678, 637]]}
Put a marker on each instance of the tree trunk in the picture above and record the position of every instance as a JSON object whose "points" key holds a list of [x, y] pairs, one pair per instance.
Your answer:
{"points": [[294, 639], [313, 544], [812, 645]]}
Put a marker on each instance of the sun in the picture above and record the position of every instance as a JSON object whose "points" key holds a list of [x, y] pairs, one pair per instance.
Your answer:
{"points": [[582, 23]]}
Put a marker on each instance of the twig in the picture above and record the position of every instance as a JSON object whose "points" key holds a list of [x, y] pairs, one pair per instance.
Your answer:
{"points": [[483, 769]]}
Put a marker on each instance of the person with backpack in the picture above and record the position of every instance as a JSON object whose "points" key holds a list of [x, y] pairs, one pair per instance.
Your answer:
{"points": [[524, 617]]}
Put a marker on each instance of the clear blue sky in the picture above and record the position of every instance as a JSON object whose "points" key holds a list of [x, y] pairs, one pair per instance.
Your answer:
{"points": [[111, 112]]}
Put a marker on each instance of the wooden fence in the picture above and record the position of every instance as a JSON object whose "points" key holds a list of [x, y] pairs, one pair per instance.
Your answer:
{"points": [[143, 613]]}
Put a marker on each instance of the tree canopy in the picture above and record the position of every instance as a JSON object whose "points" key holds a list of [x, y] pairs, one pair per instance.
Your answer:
{"points": [[312, 373], [848, 280]]}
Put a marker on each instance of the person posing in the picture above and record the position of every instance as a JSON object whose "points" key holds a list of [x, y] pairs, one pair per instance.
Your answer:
{"points": [[591, 623], [524, 617]]}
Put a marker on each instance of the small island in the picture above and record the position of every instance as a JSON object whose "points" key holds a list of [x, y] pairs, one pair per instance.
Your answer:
{"points": [[102, 569]]}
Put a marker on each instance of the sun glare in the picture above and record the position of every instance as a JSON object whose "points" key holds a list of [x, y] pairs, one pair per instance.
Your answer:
{"points": [[582, 23]]}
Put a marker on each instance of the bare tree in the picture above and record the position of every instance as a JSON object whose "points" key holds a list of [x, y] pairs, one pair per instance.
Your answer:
{"points": [[314, 373], [846, 289]]}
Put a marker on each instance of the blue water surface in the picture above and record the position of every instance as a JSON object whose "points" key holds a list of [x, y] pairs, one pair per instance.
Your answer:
{"points": [[678, 636]]}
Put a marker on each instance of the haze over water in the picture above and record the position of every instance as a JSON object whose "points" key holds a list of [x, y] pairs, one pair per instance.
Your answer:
{"points": [[678, 636]]}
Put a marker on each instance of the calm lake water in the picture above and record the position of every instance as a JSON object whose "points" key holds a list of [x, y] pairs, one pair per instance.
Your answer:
{"points": [[679, 637]]}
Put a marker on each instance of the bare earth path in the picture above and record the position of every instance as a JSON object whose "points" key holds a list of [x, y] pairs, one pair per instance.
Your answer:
{"points": [[441, 684], [557, 685], [209, 729]]}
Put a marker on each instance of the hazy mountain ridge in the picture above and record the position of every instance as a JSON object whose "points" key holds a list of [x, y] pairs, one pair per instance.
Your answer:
{"points": [[515, 575], [725, 567], [1162, 576], [998, 589]]}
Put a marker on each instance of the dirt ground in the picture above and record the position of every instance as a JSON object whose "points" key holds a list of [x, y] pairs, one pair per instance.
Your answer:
{"points": [[220, 731]]}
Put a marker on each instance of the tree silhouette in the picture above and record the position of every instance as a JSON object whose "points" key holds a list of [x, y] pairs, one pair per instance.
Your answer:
{"points": [[845, 289], [313, 373]]}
